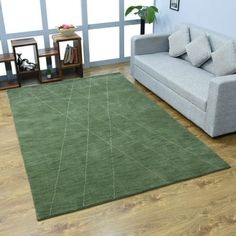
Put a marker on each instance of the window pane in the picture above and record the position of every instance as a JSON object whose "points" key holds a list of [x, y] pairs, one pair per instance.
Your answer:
{"points": [[43, 63], [104, 43], [21, 16], [103, 11], [2, 66], [2, 69], [131, 30], [129, 3], [63, 12]]}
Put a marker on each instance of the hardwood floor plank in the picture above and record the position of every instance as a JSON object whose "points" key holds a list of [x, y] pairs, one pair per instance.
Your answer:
{"points": [[201, 206]]}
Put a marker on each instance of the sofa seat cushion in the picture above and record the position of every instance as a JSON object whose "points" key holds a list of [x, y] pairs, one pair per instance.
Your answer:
{"points": [[178, 75]]}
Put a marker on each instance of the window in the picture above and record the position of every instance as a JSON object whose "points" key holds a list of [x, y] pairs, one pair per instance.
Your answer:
{"points": [[104, 43], [63, 12], [104, 29], [103, 11], [18, 17], [2, 66]]}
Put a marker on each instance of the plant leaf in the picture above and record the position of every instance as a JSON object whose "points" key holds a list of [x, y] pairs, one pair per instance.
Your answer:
{"points": [[151, 15], [128, 10], [131, 8], [155, 8], [147, 13]]}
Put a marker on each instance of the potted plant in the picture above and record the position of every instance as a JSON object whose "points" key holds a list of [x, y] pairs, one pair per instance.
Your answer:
{"points": [[49, 73], [147, 14]]}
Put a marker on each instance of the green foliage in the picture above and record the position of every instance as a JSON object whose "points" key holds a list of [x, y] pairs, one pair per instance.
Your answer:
{"points": [[147, 13], [48, 71]]}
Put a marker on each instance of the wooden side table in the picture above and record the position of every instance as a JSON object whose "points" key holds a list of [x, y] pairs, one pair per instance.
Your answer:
{"points": [[72, 56]]}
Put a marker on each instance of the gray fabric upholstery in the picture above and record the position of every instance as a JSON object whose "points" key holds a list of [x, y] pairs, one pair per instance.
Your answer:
{"points": [[147, 44], [208, 66], [221, 108], [180, 76], [199, 50], [150, 43], [170, 96], [208, 101], [177, 42], [216, 41], [195, 33], [224, 59], [185, 57]]}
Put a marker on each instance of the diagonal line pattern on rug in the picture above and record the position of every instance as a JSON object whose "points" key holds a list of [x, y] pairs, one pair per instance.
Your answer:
{"points": [[50, 107], [61, 151], [110, 139], [170, 141], [87, 143]]}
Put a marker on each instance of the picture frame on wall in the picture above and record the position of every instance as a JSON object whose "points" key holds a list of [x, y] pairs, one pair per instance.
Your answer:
{"points": [[174, 5]]}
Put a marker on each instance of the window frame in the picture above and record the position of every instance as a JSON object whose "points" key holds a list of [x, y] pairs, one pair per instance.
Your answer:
{"points": [[84, 28]]}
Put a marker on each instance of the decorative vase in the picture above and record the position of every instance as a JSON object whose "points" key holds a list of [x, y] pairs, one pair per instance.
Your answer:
{"points": [[49, 76]]}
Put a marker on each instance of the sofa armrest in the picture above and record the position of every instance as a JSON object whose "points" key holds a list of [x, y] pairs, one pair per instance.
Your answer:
{"points": [[147, 44], [221, 106], [150, 43]]}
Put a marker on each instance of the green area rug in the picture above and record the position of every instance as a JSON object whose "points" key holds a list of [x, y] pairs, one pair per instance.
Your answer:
{"points": [[94, 140]]}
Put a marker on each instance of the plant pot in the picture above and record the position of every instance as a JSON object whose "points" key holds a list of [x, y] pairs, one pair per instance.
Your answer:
{"points": [[142, 26]]}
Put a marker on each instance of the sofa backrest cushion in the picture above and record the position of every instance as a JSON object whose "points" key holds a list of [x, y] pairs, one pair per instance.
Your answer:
{"points": [[177, 41], [224, 59], [199, 50], [216, 41]]}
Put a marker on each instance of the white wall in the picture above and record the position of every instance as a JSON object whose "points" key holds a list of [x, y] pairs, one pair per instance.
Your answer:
{"points": [[216, 15]]}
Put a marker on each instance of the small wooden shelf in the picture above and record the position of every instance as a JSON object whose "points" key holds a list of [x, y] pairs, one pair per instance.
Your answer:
{"points": [[6, 57], [61, 38], [70, 70], [55, 76], [23, 42], [45, 80], [8, 83], [48, 52], [76, 40], [24, 72], [69, 65]]}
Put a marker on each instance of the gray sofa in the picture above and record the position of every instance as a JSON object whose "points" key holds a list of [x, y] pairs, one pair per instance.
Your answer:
{"points": [[207, 100]]}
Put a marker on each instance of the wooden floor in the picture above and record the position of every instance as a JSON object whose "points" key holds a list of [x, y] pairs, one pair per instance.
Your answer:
{"points": [[202, 206]]}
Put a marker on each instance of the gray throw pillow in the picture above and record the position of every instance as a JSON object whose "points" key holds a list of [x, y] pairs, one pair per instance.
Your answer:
{"points": [[177, 42], [224, 59], [199, 50]]}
